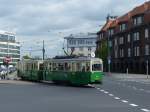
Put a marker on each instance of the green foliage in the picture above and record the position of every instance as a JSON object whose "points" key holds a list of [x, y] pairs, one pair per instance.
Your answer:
{"points": [[26, 57], [103, 51]]}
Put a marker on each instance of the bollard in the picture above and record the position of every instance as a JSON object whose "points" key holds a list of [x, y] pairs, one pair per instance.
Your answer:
{"points": [[147, 68], [127, 71]]}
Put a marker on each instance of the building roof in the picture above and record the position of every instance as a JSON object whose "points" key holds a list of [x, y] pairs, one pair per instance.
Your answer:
{"points": [[107, 25], [82, 36], [124, 18], [144, 8], [6, 32], [141, 9]]}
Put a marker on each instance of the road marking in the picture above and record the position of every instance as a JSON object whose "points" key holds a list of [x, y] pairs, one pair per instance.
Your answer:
{"points": [[105, 92], [111, 95], [134, 105], [98, 88], [117, 98], [134, 88], [145, 110], [124, 101], [142, 89], [148, 91]]}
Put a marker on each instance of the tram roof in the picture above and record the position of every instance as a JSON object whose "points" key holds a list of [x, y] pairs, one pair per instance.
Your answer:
{"points": [[75, 59]]}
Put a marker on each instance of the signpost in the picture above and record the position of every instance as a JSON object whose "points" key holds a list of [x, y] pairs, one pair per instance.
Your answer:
{"points": [[147, 68]]}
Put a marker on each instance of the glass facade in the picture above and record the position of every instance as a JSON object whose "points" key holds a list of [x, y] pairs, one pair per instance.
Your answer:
{"points": [[9, 47]]}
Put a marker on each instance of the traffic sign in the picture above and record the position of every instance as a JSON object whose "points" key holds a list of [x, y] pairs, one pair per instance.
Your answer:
{"points": [[92, 54], [7, 59]]}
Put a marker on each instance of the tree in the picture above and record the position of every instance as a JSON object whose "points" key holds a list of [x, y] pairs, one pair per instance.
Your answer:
{"points": [[26, 57], [102, 53]]}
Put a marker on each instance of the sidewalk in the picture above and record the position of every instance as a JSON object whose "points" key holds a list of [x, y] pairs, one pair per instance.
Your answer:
{"points": [[17, 82], [142, 78], [11, 76], [125, 75]]}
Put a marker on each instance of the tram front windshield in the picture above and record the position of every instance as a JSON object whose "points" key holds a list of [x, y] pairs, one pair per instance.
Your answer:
{"points": [[96, 67]]}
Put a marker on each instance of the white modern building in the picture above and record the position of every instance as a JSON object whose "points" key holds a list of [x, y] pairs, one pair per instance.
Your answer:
{"points": [[81, 44], [9, 47]]}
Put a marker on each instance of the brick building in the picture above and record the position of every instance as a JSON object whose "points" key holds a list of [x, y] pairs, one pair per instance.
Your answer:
{"points": [[129, 40]]}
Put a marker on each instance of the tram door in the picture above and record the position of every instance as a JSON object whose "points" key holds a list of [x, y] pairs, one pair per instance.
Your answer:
{"points": [[40, 74]]}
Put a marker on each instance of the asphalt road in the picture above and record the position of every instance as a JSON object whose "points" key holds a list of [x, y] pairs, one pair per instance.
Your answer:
{"points": [[113, 96]]}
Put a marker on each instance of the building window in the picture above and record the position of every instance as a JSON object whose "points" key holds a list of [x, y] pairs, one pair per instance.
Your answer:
{"points": [[72, 42], [129, 52], [136, 36], [138, 20], [89, 48], [122, 27], [116, 53], [115, 41], [81, 42], [128, 38], [111, 32], [137, 51], [110, 43], [146, 49], [81, 48], [146, 33], [134, 21], [134, 51], [121, 40], [121, 53], [101, 36]]}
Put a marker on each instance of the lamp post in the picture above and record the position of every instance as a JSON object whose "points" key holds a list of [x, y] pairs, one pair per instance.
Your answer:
{"points": [[43, 50]]}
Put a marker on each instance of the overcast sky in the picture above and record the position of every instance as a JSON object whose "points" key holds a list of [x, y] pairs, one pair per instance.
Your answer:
{"points": [[51, 20]]}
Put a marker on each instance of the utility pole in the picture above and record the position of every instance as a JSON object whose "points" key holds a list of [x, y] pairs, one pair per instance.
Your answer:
{"points": [[43, 50]]}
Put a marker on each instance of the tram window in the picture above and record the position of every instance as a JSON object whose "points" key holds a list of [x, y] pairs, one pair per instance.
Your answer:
{"points": [[41, 67], [96, 67], [78, 66], [83, 66], [60, 66], [32, 66], [87, 66], [83, 69], [28, 67], [45, 66], [50, 66], [67, 67], [73, 67], [54, 67]]}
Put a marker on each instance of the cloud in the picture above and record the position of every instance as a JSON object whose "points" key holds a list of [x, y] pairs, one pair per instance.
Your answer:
{"points": [[37, 20]]}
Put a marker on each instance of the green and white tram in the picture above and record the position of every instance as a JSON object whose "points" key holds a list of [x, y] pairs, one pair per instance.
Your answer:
{"points": [[76, 71]]}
